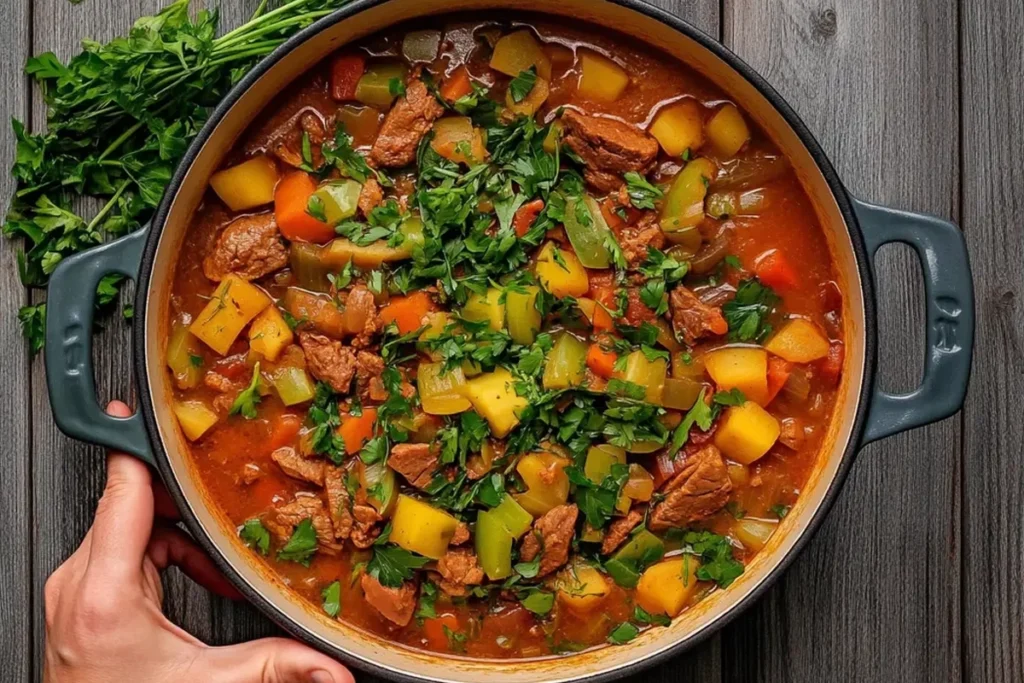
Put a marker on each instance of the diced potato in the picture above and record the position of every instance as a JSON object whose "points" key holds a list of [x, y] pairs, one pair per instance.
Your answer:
{"points": [[234, 303], [554, 136], [568, 281], [486, 307], [684, 203], [493, 395], [247, 185], [742, 368], [799, 341], [753, 533], [518, 51], [546, 481], [727, 131], [375, 85], [666, 587], [679, 127], [269, 333], [441, 393], [533, 100], [601, 79], [183, 357], [524, 320], [195, 418], [293, 385], [421, 528], [457, 140], [566, 363], [340, 251], [746, 432], [582, 587]]}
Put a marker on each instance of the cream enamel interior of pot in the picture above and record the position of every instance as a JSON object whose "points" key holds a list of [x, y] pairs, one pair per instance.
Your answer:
{"points": [[370, 648]]}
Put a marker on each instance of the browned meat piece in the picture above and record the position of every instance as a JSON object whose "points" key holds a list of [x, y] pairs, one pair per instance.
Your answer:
{"points": [[394, 604], [461, 534], [637, 312], [405, 125], [459, 568], [608, 148], [634, 239], [693, 319], [360, 303], [251, 473], [282, 520], [338, 502], [219, 382], [317, 311], [618, 531], [329, 360], [369, 367], [289, 149], [700, 489], [370, 196], [250, 247], [551, 534], [366, 529], [414, 461], [294, 465]]}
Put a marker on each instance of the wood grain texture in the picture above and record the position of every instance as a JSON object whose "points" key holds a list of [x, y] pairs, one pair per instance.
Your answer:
{"points": [[875, 596], [993, 137], [15, 485]]}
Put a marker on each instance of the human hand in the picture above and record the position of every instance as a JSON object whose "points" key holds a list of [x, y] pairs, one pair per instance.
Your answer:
{"points": [[103, 606]]}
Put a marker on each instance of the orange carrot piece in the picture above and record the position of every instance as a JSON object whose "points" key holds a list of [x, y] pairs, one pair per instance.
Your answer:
{"points": [[601, 362], [356, 431], [286, 428], [407, 311], [774, 270], [434, 630], [526, 215], [778, 374], [457, 85], [290, 201], [346, 70]]}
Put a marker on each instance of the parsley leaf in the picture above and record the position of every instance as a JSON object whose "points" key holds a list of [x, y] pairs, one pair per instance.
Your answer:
{"points": [[302, 545], [332, 599], [747, 313], [425, 606], [780, 510], [247, 401], [642, 616], [521, 86], [717, 562], [597, 501], [33, 326], [623, 633], [391, 565], [700, 414], [396, 88], [733, 397], [537, 601], [641, 193], [255, 535]]}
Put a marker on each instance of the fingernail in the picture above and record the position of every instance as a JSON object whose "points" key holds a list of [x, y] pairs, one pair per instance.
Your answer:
{"points": [[321, 676]]}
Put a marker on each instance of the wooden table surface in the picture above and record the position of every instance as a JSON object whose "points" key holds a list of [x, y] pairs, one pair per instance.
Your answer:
{"points": [[917, 573]]}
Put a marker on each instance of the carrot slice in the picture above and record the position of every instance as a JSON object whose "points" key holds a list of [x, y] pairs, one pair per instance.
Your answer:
{"points": [[290, 201], [356, 431], [601, 362], [407, 311], [434, 630], [458, 85], [346, 71], [526, 215], [774, 270], [285, 429], [778, 373]]}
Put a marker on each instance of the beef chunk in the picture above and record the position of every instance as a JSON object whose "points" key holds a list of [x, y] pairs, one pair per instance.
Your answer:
{"points": [[338, 502], [551, 535], [370, 196], [288, 147], [360, 301], [609, 148], [367, 527], [459, 568], [250, 247], [637, 312], [619, 530], [414, 461], [700, 489], [461, 534], [369, 367], [329, 360], [282, 520], [294, 465], [405, 125], [634, 239], [394, 604], [693, 319]]}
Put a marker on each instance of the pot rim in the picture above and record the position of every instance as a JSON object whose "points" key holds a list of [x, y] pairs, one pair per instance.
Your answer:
{"points": [[849, 451]]}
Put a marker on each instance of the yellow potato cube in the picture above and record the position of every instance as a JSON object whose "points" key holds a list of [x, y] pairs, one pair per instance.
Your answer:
{"points": [[486, 307], [195, 418], [421, 528], [518, 51], [269, 333], [546, 481], [570, 280], [666, 587], [529, 105], [679, 127], [746, 432], [247, 185], [233, 304], [753, 533], [727, 131], [799, 341], [581, 587], [742, 368], [601, 79], [493, 395]]}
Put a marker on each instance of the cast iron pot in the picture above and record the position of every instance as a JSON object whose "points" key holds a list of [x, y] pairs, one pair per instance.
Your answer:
{"points": [[863, 414]]}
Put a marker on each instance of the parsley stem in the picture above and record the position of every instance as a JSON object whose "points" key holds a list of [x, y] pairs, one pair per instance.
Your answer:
{"points": [[108, 206], [120, 140]]}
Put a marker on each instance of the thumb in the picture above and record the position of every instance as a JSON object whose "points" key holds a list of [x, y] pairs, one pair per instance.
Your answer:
{"points": [[271, 660]]}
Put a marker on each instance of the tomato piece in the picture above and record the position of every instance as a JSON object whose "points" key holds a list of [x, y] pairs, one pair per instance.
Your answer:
{"points": [[778, 373], [526, 215], [831, 366], [346, 70]]}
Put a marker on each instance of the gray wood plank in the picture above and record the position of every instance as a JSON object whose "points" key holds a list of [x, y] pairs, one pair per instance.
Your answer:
{"points": [[15, 415], [993, 136], [876, 595]]}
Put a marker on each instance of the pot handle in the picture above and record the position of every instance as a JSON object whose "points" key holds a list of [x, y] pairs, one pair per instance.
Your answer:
{"points": [[949, 295], [70, 303]]}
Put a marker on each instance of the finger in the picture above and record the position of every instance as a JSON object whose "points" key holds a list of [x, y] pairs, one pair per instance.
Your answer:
{"points": [[271, 660], [164, 504], [124, 516], [169, 545]]}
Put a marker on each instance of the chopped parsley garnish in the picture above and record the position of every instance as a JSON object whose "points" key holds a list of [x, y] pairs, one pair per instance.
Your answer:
{"points": [[747, 314], [332, 599], [425, 605], [641, 192], [780, 510], [623, 633], [456, 639], [597, 501], [537, 601], [396, 88], [700, 414], [302, 545], [521, 86], [643, 617], [717, 562], [255, 535], [391, 565], [247, 401]]}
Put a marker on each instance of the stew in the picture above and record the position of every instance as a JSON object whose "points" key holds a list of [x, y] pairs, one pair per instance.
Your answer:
{"points": [[505, 339]]}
